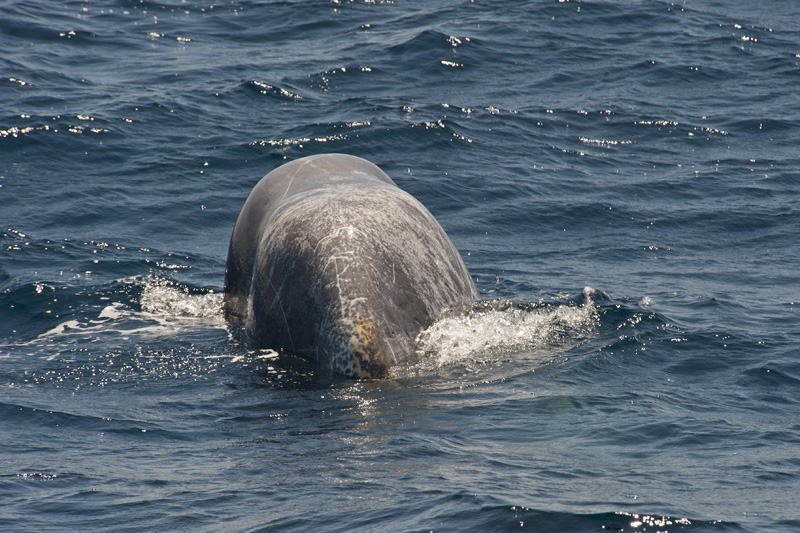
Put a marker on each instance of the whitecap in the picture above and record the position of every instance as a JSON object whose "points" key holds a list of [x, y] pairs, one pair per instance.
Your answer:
{"points": [[492, 330]]}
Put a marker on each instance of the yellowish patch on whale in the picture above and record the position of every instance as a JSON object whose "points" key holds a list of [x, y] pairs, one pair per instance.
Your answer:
{"points": [[369, 359]]}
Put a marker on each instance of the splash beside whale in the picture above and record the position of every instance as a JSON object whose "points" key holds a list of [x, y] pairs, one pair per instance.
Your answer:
{"points": [[330, 260]]}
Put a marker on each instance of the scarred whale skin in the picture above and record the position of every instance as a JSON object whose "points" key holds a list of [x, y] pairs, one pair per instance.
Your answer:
{"points": [[330, 260]]}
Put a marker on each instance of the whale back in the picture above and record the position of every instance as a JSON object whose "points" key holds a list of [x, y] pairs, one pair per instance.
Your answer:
{"points": [[331, 260]]}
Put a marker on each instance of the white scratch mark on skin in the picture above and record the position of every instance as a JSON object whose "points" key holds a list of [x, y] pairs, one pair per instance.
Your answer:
{"points": [[280, 306], [351, 231], [334, 259], [345, 304], [391, 349], [291, 180], [338, 284], [393, 278]]}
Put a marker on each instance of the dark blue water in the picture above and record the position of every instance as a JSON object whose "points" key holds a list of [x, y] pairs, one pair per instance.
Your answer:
{"points": [[622, 179]]}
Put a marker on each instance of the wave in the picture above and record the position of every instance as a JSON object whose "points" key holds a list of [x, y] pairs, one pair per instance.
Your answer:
{"points": [[494, 330], [165, 308], [514, 517], [164, 297], [157, 316]]}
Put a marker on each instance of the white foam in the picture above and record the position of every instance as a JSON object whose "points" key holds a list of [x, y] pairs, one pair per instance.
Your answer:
{"points": [[494, 329], [164, 298], [111, 312], [166, 310], [61, 328]]}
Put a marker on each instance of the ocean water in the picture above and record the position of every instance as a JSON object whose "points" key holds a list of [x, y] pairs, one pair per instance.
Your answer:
{"points": [[622, 179]]}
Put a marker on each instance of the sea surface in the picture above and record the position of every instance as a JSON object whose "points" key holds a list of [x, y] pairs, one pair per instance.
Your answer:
{"points": [[621, 178]]}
